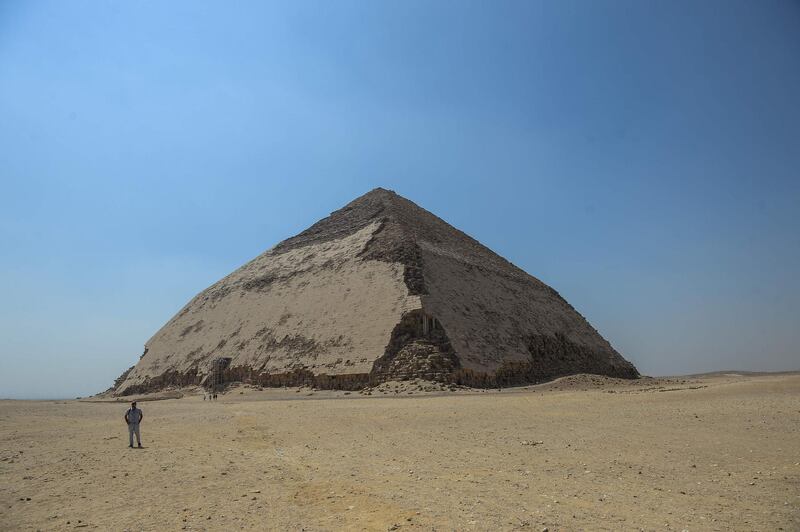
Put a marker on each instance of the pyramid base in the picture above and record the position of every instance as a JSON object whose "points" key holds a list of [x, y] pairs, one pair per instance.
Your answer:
{"points": [[433, 369]]}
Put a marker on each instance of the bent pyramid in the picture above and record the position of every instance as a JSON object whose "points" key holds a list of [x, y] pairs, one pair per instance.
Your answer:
{"points": [[380, 289]]}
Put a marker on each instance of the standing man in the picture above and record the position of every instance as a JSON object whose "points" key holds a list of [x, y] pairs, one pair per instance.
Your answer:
{"points": [[134, 416]]}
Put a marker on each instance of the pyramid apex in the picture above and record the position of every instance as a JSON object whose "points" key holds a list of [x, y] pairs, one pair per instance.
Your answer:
{"points": [[376, 197], [378, 192]]}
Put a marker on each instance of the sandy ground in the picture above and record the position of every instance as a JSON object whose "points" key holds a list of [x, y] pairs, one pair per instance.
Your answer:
{"points": [[706, 453]]}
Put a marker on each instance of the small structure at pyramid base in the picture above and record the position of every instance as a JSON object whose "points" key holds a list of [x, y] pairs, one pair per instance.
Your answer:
{"points": [[379, 290]]}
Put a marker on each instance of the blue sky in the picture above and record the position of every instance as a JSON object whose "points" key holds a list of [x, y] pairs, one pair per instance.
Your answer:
{"points": [[640, 157]]}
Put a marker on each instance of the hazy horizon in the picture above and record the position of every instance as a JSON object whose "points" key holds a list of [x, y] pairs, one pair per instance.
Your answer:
{"points": [[641, 159]]}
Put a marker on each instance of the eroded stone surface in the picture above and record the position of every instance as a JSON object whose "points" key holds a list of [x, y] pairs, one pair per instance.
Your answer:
{"points": [[336, 306]]}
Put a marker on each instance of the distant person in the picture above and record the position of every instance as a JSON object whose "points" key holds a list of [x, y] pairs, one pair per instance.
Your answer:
{"points": [[134, 416]]}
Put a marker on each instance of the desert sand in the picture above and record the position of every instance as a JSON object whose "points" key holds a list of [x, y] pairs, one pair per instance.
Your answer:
{"points": [[715, 452]]}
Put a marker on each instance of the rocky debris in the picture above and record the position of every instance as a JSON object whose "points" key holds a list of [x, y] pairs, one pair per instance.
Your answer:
{"points": [[168, 379], [418, 359], [414, 386]]}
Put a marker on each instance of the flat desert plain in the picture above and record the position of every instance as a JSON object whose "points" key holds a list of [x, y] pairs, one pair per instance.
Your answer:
{"points": [[698, 453]]}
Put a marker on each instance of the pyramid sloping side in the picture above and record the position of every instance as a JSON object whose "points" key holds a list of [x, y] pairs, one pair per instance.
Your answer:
{"points": [[494, 312], [346, 292], [318, 306], [492, 320]]}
